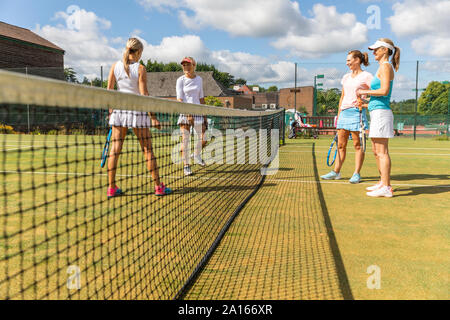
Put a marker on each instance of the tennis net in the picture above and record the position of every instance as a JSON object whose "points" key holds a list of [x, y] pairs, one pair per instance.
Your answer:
{"points": [[61, 237]]}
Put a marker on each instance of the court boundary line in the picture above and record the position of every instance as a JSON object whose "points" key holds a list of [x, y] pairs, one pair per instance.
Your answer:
{"points": [[223, 179]]}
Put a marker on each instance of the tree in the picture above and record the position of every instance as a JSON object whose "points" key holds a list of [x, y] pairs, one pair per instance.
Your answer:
{"points": [[213, 101], [328, 101], [224, 78], [96, 82], [240, 81], [261, 89], [404, 107], [272, 89], [70, 75], [434, 99]]}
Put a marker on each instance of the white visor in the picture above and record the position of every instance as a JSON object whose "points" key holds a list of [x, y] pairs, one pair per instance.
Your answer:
{"points": [[379, 44]]}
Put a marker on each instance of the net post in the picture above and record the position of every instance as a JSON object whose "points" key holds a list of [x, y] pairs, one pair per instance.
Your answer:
{"points": [[28, 107], [283, 119], [417, 93], [448, 112]]}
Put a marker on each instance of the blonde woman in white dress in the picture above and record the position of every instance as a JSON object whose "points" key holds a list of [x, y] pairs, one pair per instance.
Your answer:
{"points": [[131, 77]]}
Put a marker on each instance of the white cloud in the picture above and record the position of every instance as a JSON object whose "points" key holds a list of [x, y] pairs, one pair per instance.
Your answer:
{"points": [[326, 32], [87, 48], [175, 48], [437, 67], [427, 23], [332, 32], [85, 45], [160, 5]]}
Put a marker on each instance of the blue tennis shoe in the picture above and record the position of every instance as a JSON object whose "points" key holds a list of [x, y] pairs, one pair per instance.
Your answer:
{"points": [[331, 176], [356, 178]]}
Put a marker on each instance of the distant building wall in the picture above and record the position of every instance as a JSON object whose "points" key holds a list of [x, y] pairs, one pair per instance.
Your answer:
{"points": [[16, 56], [237, 102], [305, 98]]}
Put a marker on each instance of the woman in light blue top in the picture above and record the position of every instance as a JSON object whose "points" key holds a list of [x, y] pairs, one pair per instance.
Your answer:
{"points": [[381, 116]]}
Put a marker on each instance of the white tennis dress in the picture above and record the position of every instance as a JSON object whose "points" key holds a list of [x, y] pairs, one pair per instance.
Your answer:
{"points": [[128, 84], [190, 91]]}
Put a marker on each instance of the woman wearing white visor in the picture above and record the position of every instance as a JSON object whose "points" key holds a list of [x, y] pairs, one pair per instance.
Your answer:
{"points": [[381, 116]]}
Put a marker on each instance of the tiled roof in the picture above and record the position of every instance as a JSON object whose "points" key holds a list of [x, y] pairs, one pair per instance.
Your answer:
{"points": [[22, 34], [163, 84]]}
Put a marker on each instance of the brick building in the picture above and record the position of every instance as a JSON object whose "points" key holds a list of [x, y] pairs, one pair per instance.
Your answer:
{"points": [[24, 51], [304, 98], [265, 100]]}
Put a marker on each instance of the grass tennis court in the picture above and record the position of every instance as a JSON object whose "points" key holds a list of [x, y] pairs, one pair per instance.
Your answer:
{"points": [[56, 215], [407, 236], [292, 254]]}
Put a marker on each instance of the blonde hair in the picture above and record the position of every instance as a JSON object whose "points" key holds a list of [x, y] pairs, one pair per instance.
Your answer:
{"points": [[133, 46], [395, 55], [363, 57]]}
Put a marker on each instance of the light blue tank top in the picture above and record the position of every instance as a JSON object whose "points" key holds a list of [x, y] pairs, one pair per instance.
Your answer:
{"points": [[383, 102]]}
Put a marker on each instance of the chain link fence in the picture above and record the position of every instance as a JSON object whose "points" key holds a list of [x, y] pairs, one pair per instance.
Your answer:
{"points": [[420, 98]]}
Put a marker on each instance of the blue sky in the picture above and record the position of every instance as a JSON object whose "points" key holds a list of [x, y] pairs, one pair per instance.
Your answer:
{"points": [[255, 39]]}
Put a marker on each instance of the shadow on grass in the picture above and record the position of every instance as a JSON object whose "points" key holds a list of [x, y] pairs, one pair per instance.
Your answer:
{"points": [[412, 177], [340, 268], [243, 171], [199, 189], [415, 191]]}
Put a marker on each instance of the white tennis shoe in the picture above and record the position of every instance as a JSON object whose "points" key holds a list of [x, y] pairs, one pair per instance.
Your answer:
{"points": [[375, 187], [382, 192], [187, 171]]}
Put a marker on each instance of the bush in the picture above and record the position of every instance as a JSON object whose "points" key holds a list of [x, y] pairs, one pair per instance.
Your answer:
{"points": [[213, 101], [442, 137], [6, 129]]}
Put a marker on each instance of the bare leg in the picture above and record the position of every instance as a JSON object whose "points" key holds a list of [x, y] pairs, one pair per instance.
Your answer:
{"points": [[204, 142], [186, 135], [198, 139], [374, 150], [359, 155], [117, 138], [383, 159], [145, 140], [342, 149]]}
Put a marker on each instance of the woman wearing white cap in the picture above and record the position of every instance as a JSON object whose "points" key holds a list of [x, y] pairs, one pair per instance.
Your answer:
{"points": [[381, 116], [190, 90], [131, 77]]}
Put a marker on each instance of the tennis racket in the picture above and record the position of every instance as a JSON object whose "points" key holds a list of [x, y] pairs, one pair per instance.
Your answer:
{"points": [[106, 148], [362, 131], [332, 152]]}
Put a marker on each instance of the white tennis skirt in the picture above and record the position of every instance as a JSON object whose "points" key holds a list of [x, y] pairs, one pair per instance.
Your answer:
{"points": [[381, 123], [183, 119], [129, 119]]}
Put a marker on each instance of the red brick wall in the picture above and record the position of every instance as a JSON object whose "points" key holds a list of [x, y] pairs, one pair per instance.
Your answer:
{"points": [[237, 102], [38, 61], [305, 98]]}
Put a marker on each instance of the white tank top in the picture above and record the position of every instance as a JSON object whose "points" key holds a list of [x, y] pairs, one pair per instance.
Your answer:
{"points": [[124, 83]]}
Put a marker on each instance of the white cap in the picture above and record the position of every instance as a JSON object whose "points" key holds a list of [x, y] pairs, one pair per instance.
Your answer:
{"points": [[379, 44]]}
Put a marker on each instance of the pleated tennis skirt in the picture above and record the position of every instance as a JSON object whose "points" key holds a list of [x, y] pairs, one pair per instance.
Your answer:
{"points": [[349, 119], [183, 119], [129, 119]]}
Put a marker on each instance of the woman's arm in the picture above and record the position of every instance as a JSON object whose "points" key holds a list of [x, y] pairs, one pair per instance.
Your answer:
{"points": [[143, 90], [340, 103], [111, 81]]}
